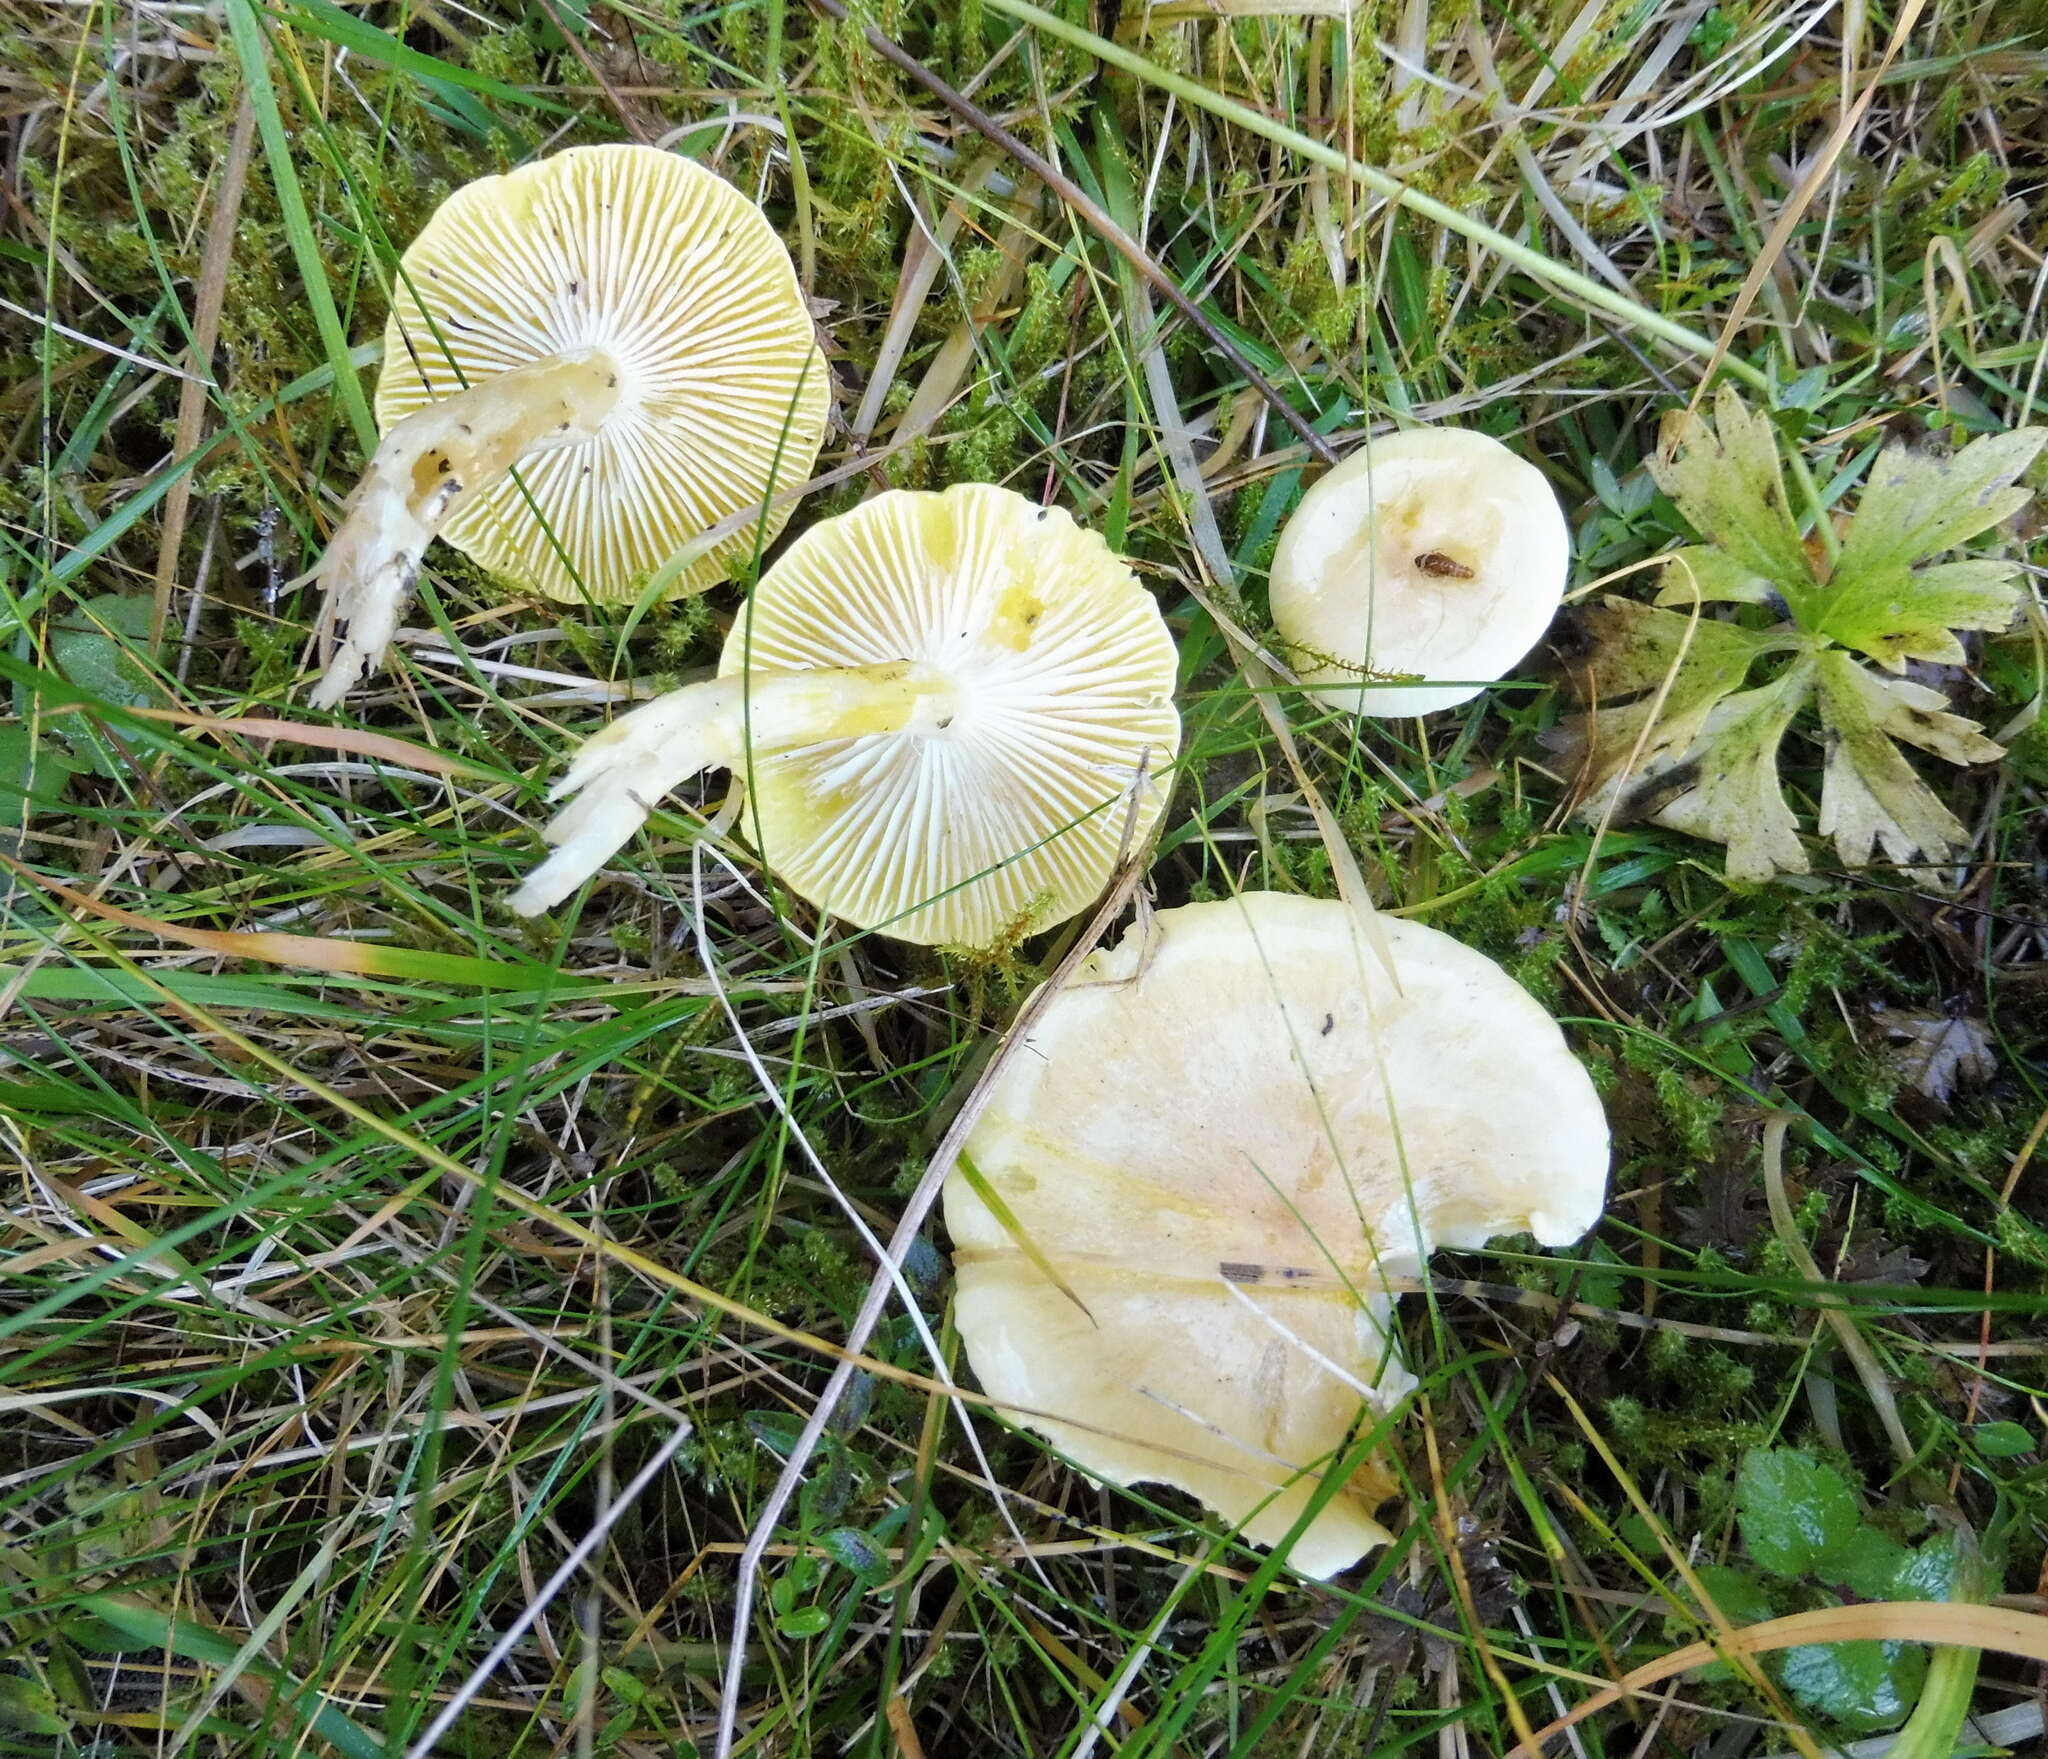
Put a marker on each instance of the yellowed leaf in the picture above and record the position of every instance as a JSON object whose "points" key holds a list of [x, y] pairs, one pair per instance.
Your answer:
{"points": [[1725, 786], [359, 740], [1871, 796], [308, 952]]}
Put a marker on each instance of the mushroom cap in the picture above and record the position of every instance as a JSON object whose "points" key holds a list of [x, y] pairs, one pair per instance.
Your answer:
{"points": [[1434, 551], [1007, 812], [678, 277], [1198, 1136]]}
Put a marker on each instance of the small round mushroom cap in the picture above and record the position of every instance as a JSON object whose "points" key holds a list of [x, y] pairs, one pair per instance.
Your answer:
{"points": [[1006, 811], [1223, 1137], [1434, 552], [678, 281]]}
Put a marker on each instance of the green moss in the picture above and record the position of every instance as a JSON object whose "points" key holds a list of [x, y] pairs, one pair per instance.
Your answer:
{"points": [[2021, 1238], [915, 467], [1692, 1107], [1629, 1422], [688, 631], [1039, 331], [1535, 968], [989, 443], [1708, 1376]]}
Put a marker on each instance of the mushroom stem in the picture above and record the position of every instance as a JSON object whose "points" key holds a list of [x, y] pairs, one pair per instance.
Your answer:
{"points": [[620, 773], [426, 466]]}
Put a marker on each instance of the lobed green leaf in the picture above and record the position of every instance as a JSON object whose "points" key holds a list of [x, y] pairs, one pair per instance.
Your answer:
{"points": [[1881, 600], [1727, 479], [1871, 796]]}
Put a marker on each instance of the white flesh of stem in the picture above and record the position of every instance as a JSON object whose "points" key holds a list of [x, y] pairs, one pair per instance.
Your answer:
{"points": [[622, 772], [423, 469]]}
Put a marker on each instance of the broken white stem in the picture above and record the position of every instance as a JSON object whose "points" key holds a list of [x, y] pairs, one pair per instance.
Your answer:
{"points": [[424, 468], [622, 772]]}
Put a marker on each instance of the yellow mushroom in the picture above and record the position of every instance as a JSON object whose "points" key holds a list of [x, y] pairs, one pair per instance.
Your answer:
{"points": [[622, 326], [954, 711], [1204, 1163]]}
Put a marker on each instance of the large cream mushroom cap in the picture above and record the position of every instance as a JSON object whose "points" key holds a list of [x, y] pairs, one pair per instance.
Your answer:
{"points": [[624, 331], [954, 712], [1223, 1136], [1434, 552]]}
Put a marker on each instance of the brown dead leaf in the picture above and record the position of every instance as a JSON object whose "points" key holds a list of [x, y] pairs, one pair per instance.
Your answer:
{"points": [[1938, 1053]]}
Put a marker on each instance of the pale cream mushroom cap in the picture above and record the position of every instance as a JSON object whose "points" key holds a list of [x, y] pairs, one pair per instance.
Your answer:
{"points": [[1213, 1136], [681, 283], [1434, 552], [1006, 811]]}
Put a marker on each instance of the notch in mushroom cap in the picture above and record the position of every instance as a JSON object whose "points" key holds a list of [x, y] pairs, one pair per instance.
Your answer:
{"points": [[955, 711], [625, 328], [1434, 553], [1223, 1137]]}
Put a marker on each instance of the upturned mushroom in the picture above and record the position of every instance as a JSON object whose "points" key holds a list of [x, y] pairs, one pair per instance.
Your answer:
{"points": [[1175, 1224], [1433, 555], [953, 712], [590, 361]]}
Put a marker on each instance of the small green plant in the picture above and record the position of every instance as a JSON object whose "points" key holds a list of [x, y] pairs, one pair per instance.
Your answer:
{"points": [[1693, 749], [1806, 1533], [34, 778]]}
